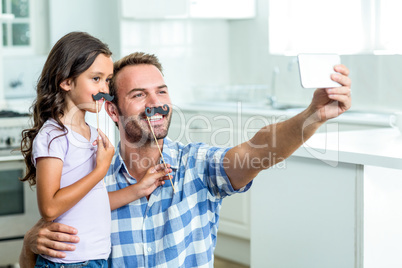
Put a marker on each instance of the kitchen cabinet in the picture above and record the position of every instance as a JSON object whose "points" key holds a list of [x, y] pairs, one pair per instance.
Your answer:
{"points": [[227, 9], [2, 100], [153, 9], [200, 9], [335, 203]]}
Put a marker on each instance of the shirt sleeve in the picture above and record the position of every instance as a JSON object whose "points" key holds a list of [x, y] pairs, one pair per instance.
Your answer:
{"points": [[214, 172], [50, 142]]}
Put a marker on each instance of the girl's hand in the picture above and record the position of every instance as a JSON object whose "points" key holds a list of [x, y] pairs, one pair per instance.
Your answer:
{"points": [[154, 178], [105, 152]]}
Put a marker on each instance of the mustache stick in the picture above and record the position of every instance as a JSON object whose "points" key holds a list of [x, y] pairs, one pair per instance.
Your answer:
{"points": [[97, 115], [150, 111], [97, 97]]}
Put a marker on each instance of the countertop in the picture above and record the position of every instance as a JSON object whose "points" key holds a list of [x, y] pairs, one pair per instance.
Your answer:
{"points": [[377, 147], [249, 109], [10, 156]]}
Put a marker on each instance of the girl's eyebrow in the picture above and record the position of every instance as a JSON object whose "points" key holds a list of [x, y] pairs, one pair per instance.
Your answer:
{"points": [[100, 73]]}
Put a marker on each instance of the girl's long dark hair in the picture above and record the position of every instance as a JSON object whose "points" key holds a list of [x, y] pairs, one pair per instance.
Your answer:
{"points": [[72, 55]]}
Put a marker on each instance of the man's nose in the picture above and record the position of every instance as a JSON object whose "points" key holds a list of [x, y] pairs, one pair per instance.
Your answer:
{"points": [[153, 100]]}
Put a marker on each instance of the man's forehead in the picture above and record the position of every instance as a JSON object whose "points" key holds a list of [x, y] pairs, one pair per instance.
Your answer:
{"points": [[140, 72], [140, 76]]}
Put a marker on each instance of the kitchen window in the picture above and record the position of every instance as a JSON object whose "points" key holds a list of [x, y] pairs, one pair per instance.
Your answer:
{"points": [[17, 31], [342, 26]]}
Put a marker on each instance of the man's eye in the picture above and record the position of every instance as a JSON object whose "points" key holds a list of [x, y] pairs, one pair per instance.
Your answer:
{"points": [[137, 95]]}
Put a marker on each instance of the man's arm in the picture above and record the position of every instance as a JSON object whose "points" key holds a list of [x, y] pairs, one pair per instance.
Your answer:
{"points": [[47, 238], [276, 142]]}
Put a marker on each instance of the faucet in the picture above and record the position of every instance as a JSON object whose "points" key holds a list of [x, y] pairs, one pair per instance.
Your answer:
{"points": [[272, 98]]}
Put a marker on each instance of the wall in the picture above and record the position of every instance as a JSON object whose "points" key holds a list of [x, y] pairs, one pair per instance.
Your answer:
{"points": [[194, 53], [97, 17], [376, 79]]}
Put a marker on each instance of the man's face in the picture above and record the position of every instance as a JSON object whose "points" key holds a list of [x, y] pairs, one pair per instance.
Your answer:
{"points": [[138, 87]]}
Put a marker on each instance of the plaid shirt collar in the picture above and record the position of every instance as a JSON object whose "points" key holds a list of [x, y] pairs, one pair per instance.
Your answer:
{"points": [[170, 152]]}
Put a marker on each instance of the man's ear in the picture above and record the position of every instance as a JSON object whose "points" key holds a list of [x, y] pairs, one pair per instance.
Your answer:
{"points": [[66, 84], [112, 111]]}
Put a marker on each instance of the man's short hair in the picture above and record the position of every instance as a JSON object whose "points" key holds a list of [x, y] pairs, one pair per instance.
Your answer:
{"points": [[136, 58]]}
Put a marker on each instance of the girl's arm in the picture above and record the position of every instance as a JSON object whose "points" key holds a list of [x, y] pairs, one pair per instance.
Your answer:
{"points": [[52, 200], [154, 177]]}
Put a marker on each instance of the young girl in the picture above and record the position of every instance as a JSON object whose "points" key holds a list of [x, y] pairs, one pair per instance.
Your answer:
{"points": [[66, 158]]}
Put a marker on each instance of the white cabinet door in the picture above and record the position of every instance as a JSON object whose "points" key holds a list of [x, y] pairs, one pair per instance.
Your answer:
{"points": [[304, 214], [162, 9], [222, 9], [150, 9], [2, 86]]}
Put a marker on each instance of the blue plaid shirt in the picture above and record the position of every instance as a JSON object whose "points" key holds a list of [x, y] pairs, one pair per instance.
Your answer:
{"points": [[171, 229]]}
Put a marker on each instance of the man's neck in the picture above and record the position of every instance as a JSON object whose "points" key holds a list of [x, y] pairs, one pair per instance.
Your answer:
{"points": [[139, 159]]}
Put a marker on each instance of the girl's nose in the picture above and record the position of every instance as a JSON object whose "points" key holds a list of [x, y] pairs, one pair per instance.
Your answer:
{"points": [[104, 87]]}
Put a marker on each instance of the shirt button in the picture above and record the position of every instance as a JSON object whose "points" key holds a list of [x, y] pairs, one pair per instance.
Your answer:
{"points": [[149, 249]]}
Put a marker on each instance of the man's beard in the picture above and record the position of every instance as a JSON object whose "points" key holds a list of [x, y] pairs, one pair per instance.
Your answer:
{"points": [[138, 133]]}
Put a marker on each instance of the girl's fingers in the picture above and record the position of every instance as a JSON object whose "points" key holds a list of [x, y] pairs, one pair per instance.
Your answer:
{"points": [[158, 168], [164, 178], [160, 175]]}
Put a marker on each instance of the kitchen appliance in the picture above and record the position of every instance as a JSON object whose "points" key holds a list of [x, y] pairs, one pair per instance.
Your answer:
{"points": [[18, 206]]}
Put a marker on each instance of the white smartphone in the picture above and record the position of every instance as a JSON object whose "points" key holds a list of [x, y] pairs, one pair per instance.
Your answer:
{"points": [[316, 69]]}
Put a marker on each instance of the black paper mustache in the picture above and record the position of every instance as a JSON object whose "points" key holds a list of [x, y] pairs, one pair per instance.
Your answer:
{"points": [[150, 111], [101, 95]]}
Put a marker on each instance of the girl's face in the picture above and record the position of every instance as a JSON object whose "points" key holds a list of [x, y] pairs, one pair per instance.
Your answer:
{"points": [[94, 80]]}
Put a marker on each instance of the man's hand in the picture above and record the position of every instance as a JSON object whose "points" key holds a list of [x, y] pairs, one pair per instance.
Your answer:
{"points": [[47, 238], [331, 102]]}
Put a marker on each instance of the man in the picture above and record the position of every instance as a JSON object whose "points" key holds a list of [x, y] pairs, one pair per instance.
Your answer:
{"points": [[179, 229]]}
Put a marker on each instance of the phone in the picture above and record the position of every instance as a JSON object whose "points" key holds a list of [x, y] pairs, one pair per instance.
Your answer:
{"points": [[316, 69]]}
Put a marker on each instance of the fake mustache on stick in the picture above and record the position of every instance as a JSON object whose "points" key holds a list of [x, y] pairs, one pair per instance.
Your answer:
{"points": [[101, 95], [150, 111]]}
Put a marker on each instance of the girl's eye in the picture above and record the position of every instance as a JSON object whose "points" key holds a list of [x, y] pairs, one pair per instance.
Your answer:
{"points": [[96, 79]]}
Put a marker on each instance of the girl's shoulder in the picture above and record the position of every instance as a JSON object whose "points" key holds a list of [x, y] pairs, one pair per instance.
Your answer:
{"points": [[52, 128]]}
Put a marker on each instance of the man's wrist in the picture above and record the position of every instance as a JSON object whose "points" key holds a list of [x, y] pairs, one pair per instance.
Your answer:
{"points": [[314, 116], [27, 258]]}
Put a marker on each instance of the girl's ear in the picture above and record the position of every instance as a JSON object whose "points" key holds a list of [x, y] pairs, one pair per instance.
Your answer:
{"points": [[112, 111], [66, 84]]}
